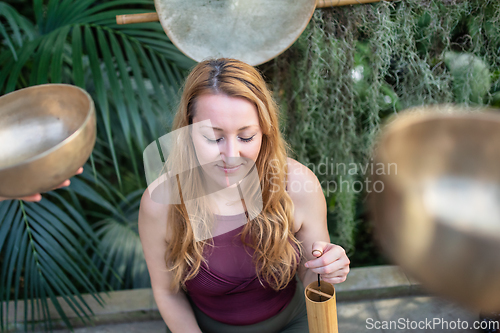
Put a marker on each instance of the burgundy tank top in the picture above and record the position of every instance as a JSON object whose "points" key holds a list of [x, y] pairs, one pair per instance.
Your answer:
{"points": [[227, 289]]}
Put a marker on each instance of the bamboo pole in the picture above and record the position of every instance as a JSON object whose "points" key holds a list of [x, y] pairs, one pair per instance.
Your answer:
{"points": [[335, 3], [137, 18], [153, 17]]}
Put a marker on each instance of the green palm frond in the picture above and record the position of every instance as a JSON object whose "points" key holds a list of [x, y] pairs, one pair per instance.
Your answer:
{"points": [[45, 254], [130, 70], [122, 261], [121, 246], [16, 28]]}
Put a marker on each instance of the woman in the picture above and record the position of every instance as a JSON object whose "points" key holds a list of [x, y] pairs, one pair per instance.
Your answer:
{"points": [[243, 277]]}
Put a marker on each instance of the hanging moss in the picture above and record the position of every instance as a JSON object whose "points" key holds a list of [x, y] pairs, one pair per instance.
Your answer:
{"points": [[355, 65]]}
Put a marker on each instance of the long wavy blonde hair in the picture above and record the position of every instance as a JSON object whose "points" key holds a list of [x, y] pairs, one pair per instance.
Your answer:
{"points": [[270, 233]]}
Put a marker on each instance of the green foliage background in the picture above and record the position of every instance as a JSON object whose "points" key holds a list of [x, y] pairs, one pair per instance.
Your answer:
{"points": [[356, 65], [352, 68]]}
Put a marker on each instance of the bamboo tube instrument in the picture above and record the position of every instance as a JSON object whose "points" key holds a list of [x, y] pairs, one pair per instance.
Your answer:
{"points": [[321, 307]]}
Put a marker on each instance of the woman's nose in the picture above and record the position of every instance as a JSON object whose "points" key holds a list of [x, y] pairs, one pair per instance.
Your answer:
{"points": [[230, 148]]}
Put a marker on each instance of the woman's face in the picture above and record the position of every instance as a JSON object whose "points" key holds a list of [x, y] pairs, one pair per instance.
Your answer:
{"points": [[227, 137]]}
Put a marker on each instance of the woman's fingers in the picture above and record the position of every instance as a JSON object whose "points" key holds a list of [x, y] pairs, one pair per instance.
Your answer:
{"points": [[338, 266], [337, 276], [334, 280], [331, 253], [64, 184], [332, 264], [32, 198]]}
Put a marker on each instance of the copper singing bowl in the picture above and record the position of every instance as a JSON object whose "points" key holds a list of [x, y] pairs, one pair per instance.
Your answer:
{"points": [[46, 133], [438, 215]]}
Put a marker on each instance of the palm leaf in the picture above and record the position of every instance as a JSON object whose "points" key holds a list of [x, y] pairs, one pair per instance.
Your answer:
{"points": [[42, 244], [128, 90], [45, 55], [38, 10], [139, 81], [100, 91], [17, 29], [77, 8], [57, 60], [90, 194], [16, 66], [8, 41], [76, 55], [117, 95], [120, 242]]}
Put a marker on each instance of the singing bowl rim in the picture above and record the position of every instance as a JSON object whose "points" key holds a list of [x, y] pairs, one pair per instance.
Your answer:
{"points": [[421, 114], [90, 114], [404, 120]]}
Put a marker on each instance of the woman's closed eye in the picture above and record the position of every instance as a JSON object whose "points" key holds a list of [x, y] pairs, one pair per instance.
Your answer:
{"points": [[243, 139], [214, 140], [247, 139]]}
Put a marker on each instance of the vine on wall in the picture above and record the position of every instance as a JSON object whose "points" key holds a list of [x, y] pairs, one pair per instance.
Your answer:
{"points": [[356, 65]]}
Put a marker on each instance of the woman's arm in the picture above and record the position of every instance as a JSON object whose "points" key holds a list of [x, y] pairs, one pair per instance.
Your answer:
{"points": [[174, 307], [310, 220]]}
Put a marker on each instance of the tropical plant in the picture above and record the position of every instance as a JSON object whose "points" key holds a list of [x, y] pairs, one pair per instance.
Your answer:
{"points": [[45, 254], [123, 266], [63, 246]]}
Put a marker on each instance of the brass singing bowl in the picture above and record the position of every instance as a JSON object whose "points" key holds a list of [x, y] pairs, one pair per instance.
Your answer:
{"points": [[46, 133], [438, 214], [253, 31]]}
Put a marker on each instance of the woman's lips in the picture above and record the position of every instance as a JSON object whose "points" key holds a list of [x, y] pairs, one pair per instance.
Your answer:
{"points": [[229, 169]]}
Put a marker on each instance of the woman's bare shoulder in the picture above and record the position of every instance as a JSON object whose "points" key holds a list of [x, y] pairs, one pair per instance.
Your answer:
{"points": [[300, 179], [154, 208], [305, 191]]}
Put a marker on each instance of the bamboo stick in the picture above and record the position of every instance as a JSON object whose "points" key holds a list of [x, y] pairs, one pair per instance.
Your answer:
{"points": [[334, 3], [319, 293], [153, 17], [137, 18]]}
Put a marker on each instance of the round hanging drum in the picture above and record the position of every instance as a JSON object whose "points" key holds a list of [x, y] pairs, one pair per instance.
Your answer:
{"points": [[252, 31]]}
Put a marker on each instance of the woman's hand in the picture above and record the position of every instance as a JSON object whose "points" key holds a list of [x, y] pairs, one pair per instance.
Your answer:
{"points": [[331, 262], [37, 197]]}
